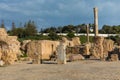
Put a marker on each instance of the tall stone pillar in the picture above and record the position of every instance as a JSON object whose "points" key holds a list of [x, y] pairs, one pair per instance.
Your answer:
{"points": [[87, 28], [61, 51], [96, 21]]}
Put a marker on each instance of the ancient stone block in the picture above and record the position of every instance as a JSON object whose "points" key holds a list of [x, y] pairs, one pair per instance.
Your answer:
{"points": [[76, 41], [75, 57], [114, 57], [108, 46], [97, 49], [34, 51], [71, 43], [44, 48], [1, 63], [24, 44], [61, 52]]}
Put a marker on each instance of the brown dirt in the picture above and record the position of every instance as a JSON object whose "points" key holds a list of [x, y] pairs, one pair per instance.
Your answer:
{"points": [[79, 70]]}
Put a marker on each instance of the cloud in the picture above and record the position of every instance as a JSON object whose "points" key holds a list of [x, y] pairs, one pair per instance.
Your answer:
{"points": [[59, 12]]}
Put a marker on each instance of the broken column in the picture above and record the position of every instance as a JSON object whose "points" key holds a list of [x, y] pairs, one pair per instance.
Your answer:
{"points": [[97, 49], [96, 21], [61, 51]]}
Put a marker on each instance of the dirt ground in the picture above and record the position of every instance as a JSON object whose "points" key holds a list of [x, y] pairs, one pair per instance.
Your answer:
{"points": [[79, 70]]}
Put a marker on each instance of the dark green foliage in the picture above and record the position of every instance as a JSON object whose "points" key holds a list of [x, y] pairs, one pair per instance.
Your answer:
{"points": [[116, 39], [2, 24], [30, 29], [53, 36], [106, 29], [83, 39], [49, 30], [24, 55], [67, 29], [37, 37], [70, 35]]}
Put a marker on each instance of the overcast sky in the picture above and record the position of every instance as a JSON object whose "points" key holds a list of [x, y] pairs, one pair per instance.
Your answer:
{"points": [[47, 13]]}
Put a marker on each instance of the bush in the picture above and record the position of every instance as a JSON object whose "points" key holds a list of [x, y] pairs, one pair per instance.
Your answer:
{"points": [[70, 35], [83, 39], [54, 36], [116, 39]]}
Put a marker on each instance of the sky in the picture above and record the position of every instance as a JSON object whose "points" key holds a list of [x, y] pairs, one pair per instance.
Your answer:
{"points": [[48, 13]]}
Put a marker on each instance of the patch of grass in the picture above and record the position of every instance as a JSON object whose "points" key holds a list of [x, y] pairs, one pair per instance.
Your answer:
{"points": [[83, 39]]}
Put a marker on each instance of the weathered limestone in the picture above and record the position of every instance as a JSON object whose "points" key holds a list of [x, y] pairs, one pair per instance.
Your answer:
{"points": [[86, 49], [61, 52], [24, 44], [48, 48], [108, 46], [74, 42], [114, 55], [75, 57], [1, 63], [73, 50], [3, 32], [34, 51], [9, 47], [101, 48], [96, 21], [97, 49], [44, 48]]}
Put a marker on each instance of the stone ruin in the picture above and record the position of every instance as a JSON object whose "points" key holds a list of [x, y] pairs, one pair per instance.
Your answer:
{"points": [[71, 43], [41, 49], [114, 55], [9, 48], [97, 49], [61, 52], [46, 48], [101, 48]]}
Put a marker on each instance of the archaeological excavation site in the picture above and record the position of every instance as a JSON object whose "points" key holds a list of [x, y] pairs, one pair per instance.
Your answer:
{"points": [[63, 59], [60, 51]]}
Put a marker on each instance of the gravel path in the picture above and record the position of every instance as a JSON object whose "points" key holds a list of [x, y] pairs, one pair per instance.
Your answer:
{"points": [[80, 70]]}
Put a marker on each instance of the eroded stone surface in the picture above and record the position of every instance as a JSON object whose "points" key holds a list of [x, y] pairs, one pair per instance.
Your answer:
{"points": [[9, 47]]}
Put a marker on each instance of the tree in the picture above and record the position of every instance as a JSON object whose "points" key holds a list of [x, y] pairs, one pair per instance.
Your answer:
{"points": [[53, 36], [68, 28], [2, 24], [106, 29], [13, 31], [30, 29], [49, 30], [70, 35]]}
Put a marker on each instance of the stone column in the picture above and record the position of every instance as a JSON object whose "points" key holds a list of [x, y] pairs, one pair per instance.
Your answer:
{"points": [[61, 52], [96, 21], [87, 28]]}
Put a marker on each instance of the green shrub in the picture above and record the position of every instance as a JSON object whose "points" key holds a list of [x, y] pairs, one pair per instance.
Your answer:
{"points": [[70, 35], [53, 36], [83, 39]]}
